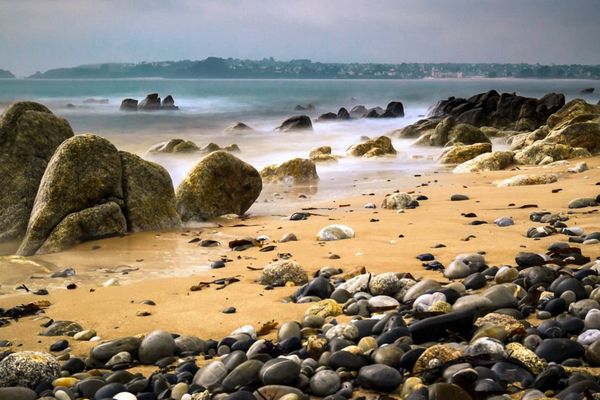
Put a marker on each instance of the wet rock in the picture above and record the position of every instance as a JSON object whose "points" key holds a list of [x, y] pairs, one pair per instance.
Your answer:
{"points": [[380, 146], [211, 375], [295, 123], [244, 374], [295, 171], [175, 146]]}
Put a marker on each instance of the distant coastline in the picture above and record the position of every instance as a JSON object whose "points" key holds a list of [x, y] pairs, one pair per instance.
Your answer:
{"points": [[229, 68]]}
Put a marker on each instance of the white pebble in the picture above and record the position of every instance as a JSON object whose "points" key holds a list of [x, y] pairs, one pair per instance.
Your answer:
{"points": [[124, 396]]}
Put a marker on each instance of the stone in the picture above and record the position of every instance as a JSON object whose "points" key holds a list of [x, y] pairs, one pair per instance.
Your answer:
{"points": [[443, 391], [156, 345], [394, 109], [244, 374], [211, 375], [448, 132], [62, 328], [458, 197], [279, 371], [175, 146], [485, 346], [528, 179], [494, 161], [295, 171], [542, 153], [104, 351], [420, 288], [85, 171], [381, 302], [504, 221], [150, 103], [238, 127], [280, 272], [129, 105], [399, 201], [458, 154], [119, 358], [457, 270], [322, 154], [582, 202], [527, 357], [335, 232], [219, 184], [435, 356], [558, 350], [381, 146], [325, 383], [28, 369], [379, 377], [506, 274], [295, 123], [384, 284], [17, 393], [29, 135], [579, 168], [324, 308]]}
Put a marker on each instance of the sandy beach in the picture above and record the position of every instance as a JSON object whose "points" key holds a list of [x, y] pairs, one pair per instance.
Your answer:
{"points": [[163, 266]]}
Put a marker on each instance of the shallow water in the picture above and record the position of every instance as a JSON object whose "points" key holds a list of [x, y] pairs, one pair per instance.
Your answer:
{"points": [[209, 106]]}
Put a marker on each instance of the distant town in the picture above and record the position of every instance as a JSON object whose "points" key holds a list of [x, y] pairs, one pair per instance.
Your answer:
{"points": [[269, 68]]}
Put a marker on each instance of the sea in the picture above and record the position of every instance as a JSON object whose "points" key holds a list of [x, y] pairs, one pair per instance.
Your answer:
{"points": [[208, 106]]}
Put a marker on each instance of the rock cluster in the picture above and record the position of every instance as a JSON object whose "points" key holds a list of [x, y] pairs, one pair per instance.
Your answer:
{"points": [[151, 102], [187, 146]]}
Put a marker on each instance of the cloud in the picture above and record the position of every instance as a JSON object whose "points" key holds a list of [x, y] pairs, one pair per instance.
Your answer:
{"points": [[42, 34]]}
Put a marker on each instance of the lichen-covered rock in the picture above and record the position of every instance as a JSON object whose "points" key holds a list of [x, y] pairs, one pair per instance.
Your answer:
{"points": [[322, 154], [494, 161], [335, 232], [460, 153], [149, 195], [28, 369], [85, 171], [435, 356], [219, 184], [324, 308], [278, 273], [380, 146], [29, 135], [527, 357], [98, 222], [584, 135], [398, 201], [297, 170], [510, 324], [528, 179], [175, 146], [386, 284], [298, 122], [542, 152]]}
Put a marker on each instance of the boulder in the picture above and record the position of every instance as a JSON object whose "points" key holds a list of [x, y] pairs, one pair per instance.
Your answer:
{"points": [[168, 103], [175, 146], [544, 153], [238, 127], [373, 147], [29, 135], [219, 184], [457, 154], [297, 170], [149, 195], [358, 111], [374, 112], [322, 154], [577, 110], [578, 134], [343, 114], [296, 123], [447, 131], [129, 105], [84, 172], [330, 116], [394, 109], [528, 179], [104, 220], [150, 103], [280, 272], [493, 161], [419, 128]]}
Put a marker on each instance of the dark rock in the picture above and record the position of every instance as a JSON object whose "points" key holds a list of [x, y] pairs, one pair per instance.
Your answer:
{"points": [[244, 374], [330, 116], [459, 197], [343, 114], [129, 105], [168, 103], [105, 351], [156, 345], [394, 109], [525, 260], [558, 350], [299, 122], [435, 328], [379, 377], [17, 393], [109, 391], [475, 281], [279, 371], [150, 103]]}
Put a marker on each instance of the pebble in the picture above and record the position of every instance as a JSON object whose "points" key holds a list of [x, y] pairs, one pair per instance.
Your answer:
{"points": [[379, 377], [459, 197], [504, 221], [325, 383], [229, 310]]}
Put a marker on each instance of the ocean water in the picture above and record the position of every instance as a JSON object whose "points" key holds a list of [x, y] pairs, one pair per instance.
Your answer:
{"points": [[207, 107]]}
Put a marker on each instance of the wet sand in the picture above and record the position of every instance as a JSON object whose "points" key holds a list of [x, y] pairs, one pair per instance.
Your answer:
{"points": [[163, 266]]}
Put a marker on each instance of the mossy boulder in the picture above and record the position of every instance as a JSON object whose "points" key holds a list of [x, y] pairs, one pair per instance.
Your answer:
{"points": [[322, 155], [297, 170], [29, 135], [175, 146], [460, 153], [85, 171], [219, 184], [381, 146], [149, 195], [494, 161]]}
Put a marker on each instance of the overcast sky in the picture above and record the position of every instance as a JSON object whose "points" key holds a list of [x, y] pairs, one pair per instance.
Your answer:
{"points": [[42, 34]]}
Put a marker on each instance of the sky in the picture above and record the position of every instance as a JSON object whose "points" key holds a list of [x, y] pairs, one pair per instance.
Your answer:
{"points": [[36, 35]]}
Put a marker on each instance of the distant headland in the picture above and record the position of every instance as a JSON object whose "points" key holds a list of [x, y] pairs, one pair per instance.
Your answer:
{"points": [[269, 68]]}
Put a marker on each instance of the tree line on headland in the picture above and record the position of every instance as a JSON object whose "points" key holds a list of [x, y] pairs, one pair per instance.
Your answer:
{"points": [[214, 67]]}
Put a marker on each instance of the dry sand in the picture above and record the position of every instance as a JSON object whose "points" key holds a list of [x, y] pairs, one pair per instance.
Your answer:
{"points": [[163, 266]]}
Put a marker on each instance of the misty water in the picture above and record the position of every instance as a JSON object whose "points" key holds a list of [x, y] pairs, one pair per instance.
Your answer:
{"points": [[207, 107]]}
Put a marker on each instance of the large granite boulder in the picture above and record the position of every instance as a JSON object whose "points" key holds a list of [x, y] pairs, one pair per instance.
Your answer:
{"points": [[148, 194], [381, 146], [505, 111], [150, 103], [84, 172], [297, 170], [29, 135], [494, 161], [219, 184], [295, 123], [448, 131], [460, 153], [542, 153]]}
